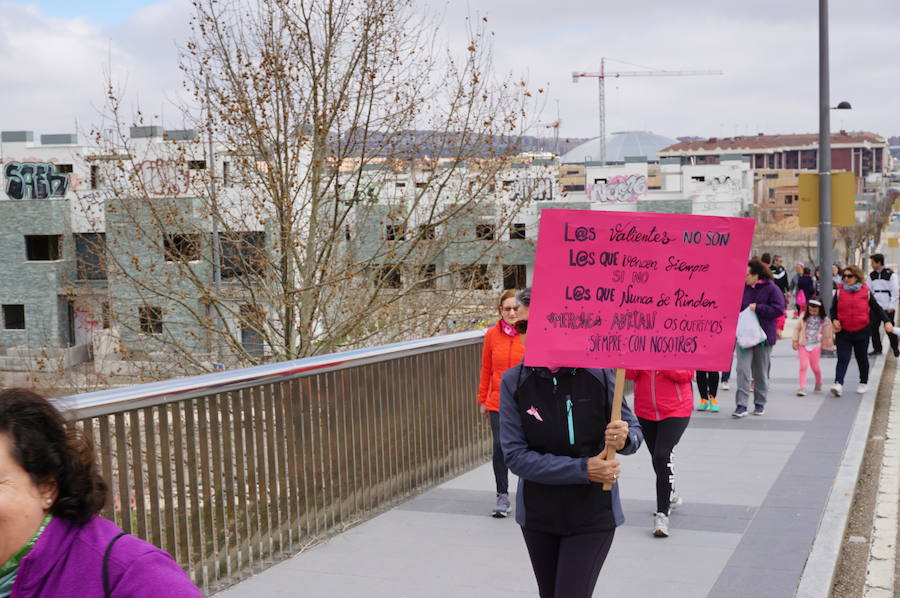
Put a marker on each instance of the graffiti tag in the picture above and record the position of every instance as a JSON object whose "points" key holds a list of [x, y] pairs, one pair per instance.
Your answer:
{"points": [[34, 180], [621, 188], [163, 177], [535, 189]]}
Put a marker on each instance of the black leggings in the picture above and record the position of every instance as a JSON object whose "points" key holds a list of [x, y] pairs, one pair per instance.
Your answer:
{"points": [[661, 438], [707, 384], [567, 566], [858, 342], [501, 474]]}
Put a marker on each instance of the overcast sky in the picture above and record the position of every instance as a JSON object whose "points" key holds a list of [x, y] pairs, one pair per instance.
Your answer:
{"points": [[53, 54]]}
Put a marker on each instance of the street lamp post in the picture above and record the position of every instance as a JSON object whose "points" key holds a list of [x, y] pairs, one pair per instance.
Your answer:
{"points": [[825, 259]]}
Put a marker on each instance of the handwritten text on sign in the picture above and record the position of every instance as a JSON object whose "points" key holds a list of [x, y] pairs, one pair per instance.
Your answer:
{"points": [[637, 290]]}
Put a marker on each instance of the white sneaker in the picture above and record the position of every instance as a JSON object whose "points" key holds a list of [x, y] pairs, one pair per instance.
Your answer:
{"points": [[675, 501], [801, 392], [660, 525], [862, 388], [837, 389], [725, 386]]}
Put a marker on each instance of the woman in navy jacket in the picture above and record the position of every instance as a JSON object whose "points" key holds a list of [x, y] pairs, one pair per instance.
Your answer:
{"points": [[554, 429]]}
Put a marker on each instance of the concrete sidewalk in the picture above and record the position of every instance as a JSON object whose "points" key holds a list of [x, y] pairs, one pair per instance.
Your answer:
{"points": [[761, 494]]}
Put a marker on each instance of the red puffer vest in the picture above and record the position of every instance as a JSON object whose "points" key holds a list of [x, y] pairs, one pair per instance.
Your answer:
{"points": [[853, 309]]}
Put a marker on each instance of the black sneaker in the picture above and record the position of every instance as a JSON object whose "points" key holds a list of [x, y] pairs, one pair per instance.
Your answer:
{"points": [[896, 352], [739, 411], [759, 409]]}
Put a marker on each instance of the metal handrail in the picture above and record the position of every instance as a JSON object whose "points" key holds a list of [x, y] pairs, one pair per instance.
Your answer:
{"points": [[107, 402]]}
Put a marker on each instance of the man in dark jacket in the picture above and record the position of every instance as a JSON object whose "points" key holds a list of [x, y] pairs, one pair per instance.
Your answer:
{"points": [[779, 274], [767, 301]]}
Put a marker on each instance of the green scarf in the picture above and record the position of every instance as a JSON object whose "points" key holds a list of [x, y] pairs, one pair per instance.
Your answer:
{"points": [[11, 567]]}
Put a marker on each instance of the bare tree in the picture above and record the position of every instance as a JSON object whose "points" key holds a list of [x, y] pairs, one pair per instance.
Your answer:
{"points": [[344, 188]]}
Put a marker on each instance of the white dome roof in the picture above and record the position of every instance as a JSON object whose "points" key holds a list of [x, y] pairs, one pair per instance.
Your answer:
{"points": [[618, 146]]}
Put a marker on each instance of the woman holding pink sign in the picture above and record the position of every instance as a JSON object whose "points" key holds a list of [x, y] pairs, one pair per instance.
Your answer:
{"points": [[555, 429]]}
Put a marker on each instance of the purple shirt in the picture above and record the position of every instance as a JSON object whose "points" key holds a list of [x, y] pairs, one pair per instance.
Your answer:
{"points": [[769, 302], [67, 562]]}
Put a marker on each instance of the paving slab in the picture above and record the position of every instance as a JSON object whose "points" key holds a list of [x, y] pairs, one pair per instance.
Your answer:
{"points": [[756, 492]]}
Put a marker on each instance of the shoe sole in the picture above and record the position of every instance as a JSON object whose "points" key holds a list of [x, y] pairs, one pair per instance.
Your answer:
{"points": [[499, 514], [658, 533], [759, 413], [744, 414], [836, 393]]}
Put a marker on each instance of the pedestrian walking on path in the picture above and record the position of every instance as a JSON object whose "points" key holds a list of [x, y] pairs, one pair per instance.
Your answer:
{"points": [[883, 282], [813, 333], [555, 428], [852, 310], [708, 388], [502, 350], [766, 300], [663, 402]]}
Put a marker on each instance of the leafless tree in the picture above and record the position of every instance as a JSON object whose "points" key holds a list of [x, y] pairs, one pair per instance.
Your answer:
{"points": [[344, 187]]}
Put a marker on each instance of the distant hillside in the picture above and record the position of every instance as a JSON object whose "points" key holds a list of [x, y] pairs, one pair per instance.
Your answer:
{"points": [[434, 144]]}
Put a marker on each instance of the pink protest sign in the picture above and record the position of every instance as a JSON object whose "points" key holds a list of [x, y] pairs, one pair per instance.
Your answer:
{"points": [[637, 290]]}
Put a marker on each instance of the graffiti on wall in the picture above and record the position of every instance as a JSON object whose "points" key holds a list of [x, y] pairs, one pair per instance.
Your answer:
{"points": [[723, 184], [34, 180], [163, 177], [621, 188], [534, 189]]}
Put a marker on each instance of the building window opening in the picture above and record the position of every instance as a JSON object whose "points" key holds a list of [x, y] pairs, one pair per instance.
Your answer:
{"points": [[514, 276], [395, 232], [243, 253], [517, 231], [196, 164], [182, 248], [14, 317], [42, 248], [90, 256], [151, 321], [485, 232], [475, 277]]}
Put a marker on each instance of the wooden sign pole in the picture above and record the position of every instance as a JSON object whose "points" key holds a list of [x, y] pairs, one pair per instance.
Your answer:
{"points": [[616, 413]]}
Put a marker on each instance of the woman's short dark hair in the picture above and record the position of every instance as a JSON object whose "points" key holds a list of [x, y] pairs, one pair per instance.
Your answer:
{"points": [[759, 269], [52, 453], [523, 297]]}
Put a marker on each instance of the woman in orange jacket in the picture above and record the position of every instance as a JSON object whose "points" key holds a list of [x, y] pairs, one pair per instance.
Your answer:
{"points": [[503, 349], [663, 402]]}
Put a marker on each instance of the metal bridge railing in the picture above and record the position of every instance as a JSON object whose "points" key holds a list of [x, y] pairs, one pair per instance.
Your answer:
{"points": [[234, 471]]}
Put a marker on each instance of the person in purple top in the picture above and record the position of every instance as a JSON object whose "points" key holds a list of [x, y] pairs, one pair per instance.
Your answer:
{"points": [[762, 296], [52, 541]]}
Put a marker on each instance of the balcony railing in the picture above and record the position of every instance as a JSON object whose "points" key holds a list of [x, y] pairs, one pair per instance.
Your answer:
{"points": [[233, 471]]}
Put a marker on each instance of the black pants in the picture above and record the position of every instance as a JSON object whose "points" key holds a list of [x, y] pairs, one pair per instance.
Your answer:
{"points": [[707, 384], [567, 566], [876, 336], [857, 342], [501, 474], [661, 438]]}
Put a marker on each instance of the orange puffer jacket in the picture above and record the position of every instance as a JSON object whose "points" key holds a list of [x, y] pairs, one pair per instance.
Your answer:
{"points": [[659, 394], [500, 353]]}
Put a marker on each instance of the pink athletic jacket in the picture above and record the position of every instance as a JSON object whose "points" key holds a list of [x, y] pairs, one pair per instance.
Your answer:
{"points": [[659, 394]]}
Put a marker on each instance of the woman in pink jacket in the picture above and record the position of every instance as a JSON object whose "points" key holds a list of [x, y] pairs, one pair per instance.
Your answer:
{"points": [[663, 402]]}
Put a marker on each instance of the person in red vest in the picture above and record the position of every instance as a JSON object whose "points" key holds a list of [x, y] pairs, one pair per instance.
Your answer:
{"points": [[503, 349], [852, 310]]}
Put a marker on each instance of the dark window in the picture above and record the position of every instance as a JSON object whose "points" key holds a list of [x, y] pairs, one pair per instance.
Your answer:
{"points": [[106, 314], [425, 275], [182, 248], [571, 172], [196, 164], [243, 253], [388, 276], [395, 232], [598, 181], [421, 185], [151, 321], [517, 231], [14, 317], [427, 231], [514, 276], [90, 256], [485, 232], [252, 321], [507, 185], [474, 277], [699, 179], [95, 176], [226, 174], [64, 168], [772, 175], [42, 248], [346, 232], [568, 188], [400, 185]]}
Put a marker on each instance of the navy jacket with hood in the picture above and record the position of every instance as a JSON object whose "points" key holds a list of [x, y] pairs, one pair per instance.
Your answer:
{"points": [[550, 424]]}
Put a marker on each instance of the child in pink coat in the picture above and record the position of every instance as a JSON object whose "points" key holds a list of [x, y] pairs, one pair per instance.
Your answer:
{"points": [[812, 334]]}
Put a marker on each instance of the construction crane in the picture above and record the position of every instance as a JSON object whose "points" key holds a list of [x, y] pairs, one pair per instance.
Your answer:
{"points": [[603, 75]]}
